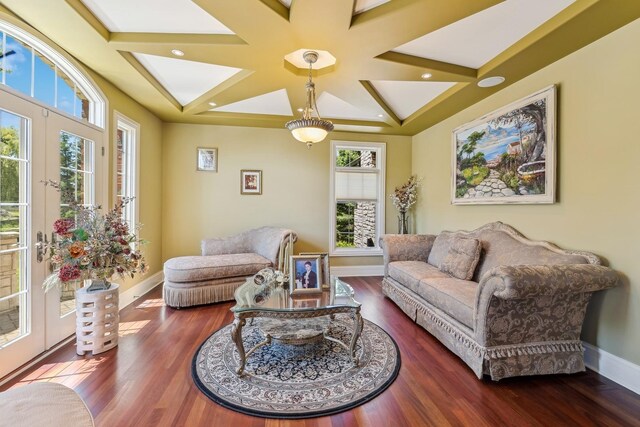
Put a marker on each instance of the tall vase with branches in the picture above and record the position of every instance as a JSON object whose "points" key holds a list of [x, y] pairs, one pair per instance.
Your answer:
{"points": [[404, 197]]}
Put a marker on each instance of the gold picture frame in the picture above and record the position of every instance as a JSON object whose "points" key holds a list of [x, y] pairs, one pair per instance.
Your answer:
{"points": [[305, 274], [324, 265], [250, 182]]}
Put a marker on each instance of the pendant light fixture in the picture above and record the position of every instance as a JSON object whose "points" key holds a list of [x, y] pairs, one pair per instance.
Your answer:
{"points": [[310, 129]]}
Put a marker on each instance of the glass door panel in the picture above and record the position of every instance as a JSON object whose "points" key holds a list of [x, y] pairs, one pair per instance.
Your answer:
{"points": [[76, 170], [21, 303], [73, 164], [13, 165]]}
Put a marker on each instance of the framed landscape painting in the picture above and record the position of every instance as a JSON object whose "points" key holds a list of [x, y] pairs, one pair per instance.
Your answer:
{"points": [[507, 156]]}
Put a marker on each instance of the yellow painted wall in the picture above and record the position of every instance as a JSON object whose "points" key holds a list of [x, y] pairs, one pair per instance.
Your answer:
{"points": [[598, 161], [295, 194], [149, 198]]}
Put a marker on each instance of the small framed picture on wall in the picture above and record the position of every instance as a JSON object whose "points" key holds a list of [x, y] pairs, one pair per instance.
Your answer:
{"points": [[251, 182], [207, 159]]}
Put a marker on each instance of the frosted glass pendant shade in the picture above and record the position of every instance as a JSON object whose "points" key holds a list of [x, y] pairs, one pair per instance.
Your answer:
{"points": [[309, 130]]}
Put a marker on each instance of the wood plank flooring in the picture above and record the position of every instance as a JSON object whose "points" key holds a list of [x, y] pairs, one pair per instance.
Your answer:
{"points": [[146, 381]]}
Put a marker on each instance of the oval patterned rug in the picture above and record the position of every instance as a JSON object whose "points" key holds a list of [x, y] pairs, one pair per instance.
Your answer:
{"points": [[296, 381]]}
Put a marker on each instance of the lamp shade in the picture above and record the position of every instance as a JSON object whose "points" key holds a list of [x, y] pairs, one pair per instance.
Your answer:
{"points": [[309, 130]]}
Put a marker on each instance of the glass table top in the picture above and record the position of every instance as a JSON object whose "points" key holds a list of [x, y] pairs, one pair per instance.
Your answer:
{"points": [[264, 292]]}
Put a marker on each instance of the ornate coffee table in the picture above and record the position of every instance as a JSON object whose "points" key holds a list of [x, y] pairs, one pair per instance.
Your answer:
{"points": [[298, 319]]}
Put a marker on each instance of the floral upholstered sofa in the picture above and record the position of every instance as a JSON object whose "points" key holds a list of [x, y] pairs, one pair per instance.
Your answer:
{"points": [[517, 310], [224, 265]]}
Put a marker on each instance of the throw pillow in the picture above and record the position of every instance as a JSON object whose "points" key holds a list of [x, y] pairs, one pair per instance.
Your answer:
{"points": [[440, 248], [462, 259]]}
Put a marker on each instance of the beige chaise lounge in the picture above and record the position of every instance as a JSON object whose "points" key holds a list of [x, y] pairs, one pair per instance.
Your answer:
{"points": [[224, 265], [522, 310]]}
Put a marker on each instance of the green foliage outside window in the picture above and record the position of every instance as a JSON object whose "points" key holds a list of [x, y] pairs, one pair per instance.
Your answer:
{"points": [[9, 178]]}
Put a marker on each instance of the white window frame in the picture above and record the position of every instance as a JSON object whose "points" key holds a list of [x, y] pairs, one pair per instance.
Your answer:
{"points": [[97, 103], [380, 169], [131, 166]]}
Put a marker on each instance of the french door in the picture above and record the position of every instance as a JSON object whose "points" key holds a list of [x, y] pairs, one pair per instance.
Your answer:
{"points": [[73, 146], [36, 145]]}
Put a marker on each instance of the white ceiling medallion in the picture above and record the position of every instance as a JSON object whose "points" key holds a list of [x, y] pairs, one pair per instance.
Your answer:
{"points": [[155, 16], [276, 102], [185, 80], [476, 39], [405, 98], [491, 81]]}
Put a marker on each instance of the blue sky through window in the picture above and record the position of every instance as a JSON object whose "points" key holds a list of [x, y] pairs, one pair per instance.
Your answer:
{"points": [[18, 66], [20, 63]]}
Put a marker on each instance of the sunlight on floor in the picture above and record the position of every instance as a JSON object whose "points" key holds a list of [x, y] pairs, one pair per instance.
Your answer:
{"points": [[151, 303], [130, 328], [70, 373]]}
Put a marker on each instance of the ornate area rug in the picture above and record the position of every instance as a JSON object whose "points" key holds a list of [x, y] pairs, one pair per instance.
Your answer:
{"points": [[296, 381]]}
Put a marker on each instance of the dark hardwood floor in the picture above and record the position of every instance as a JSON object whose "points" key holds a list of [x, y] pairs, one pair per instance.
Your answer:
{"points": [[146, 380]]}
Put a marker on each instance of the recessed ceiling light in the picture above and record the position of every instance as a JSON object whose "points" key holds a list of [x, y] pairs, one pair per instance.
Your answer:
{"points": [[491, 81], [426, 76], [213, 104], [177, 52], [381, 115], [300, 110]]}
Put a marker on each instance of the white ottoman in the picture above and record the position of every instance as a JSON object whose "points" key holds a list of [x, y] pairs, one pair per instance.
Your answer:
{"points": [[43, 404]]}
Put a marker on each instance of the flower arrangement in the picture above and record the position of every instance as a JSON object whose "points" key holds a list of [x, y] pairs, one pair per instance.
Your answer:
{"points": [[91, 245], [406, 195]]}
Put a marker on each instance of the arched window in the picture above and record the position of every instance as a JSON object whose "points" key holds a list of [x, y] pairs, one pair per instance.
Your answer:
{"points": [[31, 67]]}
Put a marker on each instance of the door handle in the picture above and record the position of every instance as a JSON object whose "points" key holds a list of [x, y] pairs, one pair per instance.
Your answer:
{"points": [[53, 241]]}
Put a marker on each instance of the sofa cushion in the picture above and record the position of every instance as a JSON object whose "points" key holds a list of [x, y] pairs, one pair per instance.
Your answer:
{"points": [[462, 259], [409, 273], [453, 296], [198, 268], [440, 248]]}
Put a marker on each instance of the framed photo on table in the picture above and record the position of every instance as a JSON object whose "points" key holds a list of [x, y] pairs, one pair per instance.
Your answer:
{"points": [[306, 274], [324, 264], [207, 159], [251, 182]]}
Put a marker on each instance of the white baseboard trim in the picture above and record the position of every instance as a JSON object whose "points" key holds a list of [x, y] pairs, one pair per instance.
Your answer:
{"points": [[136, 291], [619, 370], [358, 270]]}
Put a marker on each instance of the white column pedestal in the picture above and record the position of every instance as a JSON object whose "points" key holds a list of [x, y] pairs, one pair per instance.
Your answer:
{"points": [[97, 320]]}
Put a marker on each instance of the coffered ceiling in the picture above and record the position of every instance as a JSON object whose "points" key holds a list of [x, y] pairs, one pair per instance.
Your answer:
{"points": [[387, 66]]}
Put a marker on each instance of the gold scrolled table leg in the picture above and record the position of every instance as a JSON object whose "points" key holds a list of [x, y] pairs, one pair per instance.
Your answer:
{"points": [[357, 330], [236, 337]]}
